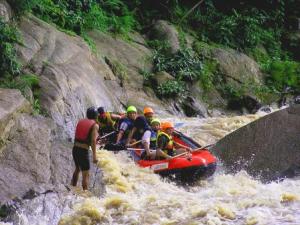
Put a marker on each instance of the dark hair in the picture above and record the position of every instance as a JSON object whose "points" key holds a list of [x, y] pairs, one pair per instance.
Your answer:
{"points": [[91, 113], [100, 110]]}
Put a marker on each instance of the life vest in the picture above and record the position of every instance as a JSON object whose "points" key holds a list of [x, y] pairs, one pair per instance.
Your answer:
{"points": [[153, 139], [169, 147], [106, 121], [83, 131], [142, 126], [129, 123]]}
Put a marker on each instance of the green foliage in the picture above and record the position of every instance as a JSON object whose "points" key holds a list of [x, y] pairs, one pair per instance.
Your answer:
{"points": [[147, 75], [9, 36], [208, 74], [283, 74], [171, 88], [90, 43], [183, 65], [81, 15]]}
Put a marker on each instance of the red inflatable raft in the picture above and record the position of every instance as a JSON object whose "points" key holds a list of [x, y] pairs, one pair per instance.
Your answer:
{"points": [[201, 164]]}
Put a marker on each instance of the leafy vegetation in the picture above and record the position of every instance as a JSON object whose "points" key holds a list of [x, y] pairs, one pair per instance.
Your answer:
{"points": [[248, 26], [283, 74], [11, 75], [172, 88], [81, 15], [183, 65], [9, 36]]}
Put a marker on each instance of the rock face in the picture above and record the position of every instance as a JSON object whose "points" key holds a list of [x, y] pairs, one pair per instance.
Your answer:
{"points": [[237, 70], [71, 78], [127, 60], [5, 10], [165, 31], [32, 152], [12, 103], [266, 147]]}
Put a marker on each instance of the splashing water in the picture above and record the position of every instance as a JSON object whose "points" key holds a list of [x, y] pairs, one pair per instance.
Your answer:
{"points": [[137, 196]]}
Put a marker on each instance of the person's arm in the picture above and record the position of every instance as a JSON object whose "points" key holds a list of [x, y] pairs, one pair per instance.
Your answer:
{"points": [[123, 128], [94, 141], [130, 135], [120, 135], [178, 145], [115, 116]]}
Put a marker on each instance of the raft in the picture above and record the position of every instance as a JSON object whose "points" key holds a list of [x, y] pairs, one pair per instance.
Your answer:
{"points": [[200, 165]]}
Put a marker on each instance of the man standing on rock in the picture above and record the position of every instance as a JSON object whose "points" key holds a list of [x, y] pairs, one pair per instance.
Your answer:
{"points": [[85, 136]]}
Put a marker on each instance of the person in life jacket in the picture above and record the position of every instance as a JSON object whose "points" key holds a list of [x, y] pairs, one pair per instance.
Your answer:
{"points": [[107, 122], [126, 124], [141, 131], [148, 113], [166, 147], [86, 134], [155, 127]]}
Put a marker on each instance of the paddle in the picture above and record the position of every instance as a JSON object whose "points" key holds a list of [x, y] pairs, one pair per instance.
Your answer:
{"points": [[106, 135], [201, 148], [134, 143], [181, 154]]}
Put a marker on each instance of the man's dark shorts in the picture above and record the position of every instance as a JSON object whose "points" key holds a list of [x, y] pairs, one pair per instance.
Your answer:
{"points": [[81, 158]]}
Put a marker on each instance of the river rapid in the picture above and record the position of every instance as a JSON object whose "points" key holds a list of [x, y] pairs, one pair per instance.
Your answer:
{"points": [[132, 195]]}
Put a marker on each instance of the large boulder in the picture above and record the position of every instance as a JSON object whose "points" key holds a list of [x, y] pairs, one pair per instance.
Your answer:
{"points": [[71, 77], [164, 31], [32, 150], [239, 72], [5, 11], [267, 147]]}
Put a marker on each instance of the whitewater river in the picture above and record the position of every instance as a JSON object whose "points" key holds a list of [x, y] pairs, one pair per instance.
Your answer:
{"points": [[137, 196]]}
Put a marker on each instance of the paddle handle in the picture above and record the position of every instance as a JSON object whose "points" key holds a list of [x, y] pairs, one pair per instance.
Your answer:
{"points": [[181, 154], [201, 148], [106, 135], [134, 143]]}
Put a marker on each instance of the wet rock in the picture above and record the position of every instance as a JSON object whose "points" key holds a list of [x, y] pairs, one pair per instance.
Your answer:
{"points": [[266, 109], [192, 107], [264, 148], [33, 157], [291, 172], [297, 99]]}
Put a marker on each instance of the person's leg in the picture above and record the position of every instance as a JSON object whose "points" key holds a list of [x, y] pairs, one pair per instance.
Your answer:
{"points": [[75, 176], [146, 142], [85, 179], [76, 157]]}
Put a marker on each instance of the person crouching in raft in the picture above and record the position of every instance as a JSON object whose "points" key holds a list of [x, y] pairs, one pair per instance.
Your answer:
{"points": [[166, 147], [85, 136]]}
